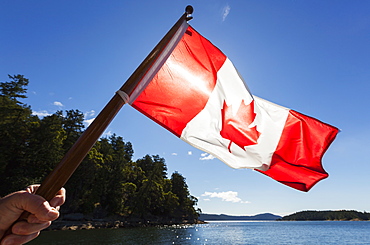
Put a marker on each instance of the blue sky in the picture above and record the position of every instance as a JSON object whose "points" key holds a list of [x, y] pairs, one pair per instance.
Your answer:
{"points": [[311, 56]]}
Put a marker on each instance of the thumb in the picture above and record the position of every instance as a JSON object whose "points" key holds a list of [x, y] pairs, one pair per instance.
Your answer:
{"points": [[34, 204]]}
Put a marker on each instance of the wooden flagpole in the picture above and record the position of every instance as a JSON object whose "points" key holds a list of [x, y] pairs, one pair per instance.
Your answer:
{"points": [[63, 171], [66, 167]]}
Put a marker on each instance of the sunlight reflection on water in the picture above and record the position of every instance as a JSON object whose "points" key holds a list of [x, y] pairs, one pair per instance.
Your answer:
{"points": [[292, 232]]}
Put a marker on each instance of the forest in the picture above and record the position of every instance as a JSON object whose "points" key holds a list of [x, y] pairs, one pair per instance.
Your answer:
{"points": [[328, 215], [108, 181]]}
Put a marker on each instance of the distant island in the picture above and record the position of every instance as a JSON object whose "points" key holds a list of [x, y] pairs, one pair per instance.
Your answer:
{"points": [[327, 215], [211, 217]]}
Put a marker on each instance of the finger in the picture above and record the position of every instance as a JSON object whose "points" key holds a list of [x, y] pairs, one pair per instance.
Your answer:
{"points": [[25, 228], [35, 205], [32, 188], [18, 239], [59, 199], [33, 219]]}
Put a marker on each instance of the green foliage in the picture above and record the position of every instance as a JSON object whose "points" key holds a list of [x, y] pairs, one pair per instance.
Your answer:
{"points": [[186, 201], [16, 125], [73, 126], [15, 88], [328, 215], [107, 182]]}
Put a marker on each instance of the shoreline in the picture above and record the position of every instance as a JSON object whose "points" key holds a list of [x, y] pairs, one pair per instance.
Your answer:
{"points": [[110, 224], [116, 224]]}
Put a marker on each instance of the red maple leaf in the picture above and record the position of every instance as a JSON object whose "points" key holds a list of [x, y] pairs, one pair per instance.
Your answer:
{"points": [[236, 128]]}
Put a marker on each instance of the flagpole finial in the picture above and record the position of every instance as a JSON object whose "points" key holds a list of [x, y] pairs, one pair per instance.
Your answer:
{"points": [[189, 10]]}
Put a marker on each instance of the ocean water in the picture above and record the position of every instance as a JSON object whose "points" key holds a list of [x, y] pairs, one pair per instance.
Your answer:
{"points": [[251, 232]]}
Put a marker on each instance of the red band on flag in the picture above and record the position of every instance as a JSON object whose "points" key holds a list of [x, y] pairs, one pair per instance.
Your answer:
{"points": [[297, 159], [186, 79]]}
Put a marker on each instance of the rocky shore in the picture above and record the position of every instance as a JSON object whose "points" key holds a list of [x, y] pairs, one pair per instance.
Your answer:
{"points": [[80, 222]]}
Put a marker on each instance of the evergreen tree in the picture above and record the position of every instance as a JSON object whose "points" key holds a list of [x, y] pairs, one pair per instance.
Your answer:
{"points": [[14, 89], [73, 126], [186, 201], [16, 122], [45, 149]]}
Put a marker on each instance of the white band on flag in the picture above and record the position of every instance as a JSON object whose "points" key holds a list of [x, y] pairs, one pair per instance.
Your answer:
{"points": [[152, 71], [123, 96]]}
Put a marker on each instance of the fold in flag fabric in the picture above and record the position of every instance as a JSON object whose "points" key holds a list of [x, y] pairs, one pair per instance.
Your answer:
{"points": [[194, 91]]}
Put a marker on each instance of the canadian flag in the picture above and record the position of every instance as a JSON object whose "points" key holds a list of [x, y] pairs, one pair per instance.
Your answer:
{"points": [[196, 93]]}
